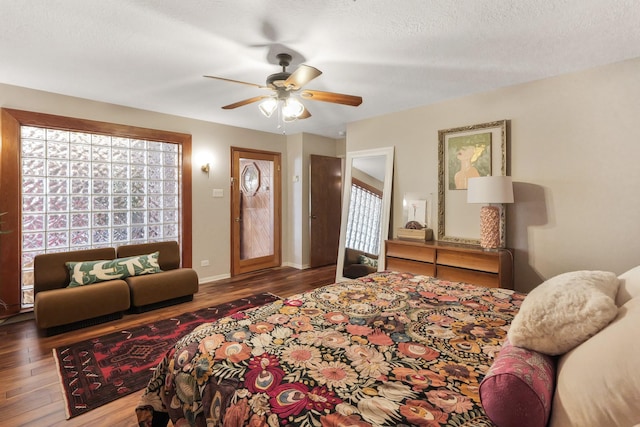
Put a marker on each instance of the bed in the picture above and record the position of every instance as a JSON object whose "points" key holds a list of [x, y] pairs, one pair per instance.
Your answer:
{"points": [[388, 349]]}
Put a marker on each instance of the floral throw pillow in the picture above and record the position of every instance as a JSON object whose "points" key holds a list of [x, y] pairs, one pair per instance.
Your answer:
{"points": [[88, 272], [518, 389]]}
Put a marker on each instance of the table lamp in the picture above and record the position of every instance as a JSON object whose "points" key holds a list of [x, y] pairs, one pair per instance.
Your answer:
{"points": [[494, 191]]}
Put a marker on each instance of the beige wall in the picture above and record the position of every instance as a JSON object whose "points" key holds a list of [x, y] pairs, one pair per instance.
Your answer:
{"points": [[299, 149], [574, 154], [211, 143], [292, 247], [575, 148]]}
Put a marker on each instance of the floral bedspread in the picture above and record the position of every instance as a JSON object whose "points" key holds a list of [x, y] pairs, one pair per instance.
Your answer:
{"points": [[389, 349]]}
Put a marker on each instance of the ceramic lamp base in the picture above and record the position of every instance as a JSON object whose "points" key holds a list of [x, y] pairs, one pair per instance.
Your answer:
{"points": [[490, 227]]}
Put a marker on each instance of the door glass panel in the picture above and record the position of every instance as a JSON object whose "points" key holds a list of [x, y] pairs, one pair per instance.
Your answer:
{"points": [[257, 208]]}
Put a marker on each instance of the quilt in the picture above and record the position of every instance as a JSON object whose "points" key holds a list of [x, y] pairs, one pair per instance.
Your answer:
{"points": [[388, 349]]}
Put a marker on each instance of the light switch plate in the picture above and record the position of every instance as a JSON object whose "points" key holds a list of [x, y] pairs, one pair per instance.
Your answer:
{"points": [[218, 192]]}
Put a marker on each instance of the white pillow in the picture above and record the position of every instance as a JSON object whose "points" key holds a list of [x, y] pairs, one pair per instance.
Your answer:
{"points": [[565, 311], [599, 381]]}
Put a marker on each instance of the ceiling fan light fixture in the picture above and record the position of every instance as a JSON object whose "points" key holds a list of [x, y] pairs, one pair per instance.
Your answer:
{"points": [[292, 109], [268, 106], [289, 119], [286, 91]]}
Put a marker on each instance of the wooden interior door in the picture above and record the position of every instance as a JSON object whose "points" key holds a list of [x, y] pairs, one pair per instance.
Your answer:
{"points": [[255, 210], [325, 209]]}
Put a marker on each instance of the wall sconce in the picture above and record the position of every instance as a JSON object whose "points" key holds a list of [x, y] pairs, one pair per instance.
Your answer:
{"points": [[205, 168], [491, 190]]}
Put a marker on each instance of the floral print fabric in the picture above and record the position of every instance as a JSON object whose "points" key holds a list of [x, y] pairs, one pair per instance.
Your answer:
{"points": [[518, 389], [388, 349]]}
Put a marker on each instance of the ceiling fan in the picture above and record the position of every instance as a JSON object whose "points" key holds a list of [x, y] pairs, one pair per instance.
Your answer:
{"points": [[284, 85]]}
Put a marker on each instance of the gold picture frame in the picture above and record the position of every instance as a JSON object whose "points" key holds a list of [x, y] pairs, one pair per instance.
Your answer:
{"points": [[480, 150]]}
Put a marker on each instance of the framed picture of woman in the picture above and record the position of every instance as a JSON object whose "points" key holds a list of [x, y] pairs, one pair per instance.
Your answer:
{"points": [[463, 153], [469, 156]]}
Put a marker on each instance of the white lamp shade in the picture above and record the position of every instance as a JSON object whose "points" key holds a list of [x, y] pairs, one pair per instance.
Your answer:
{"points": [[292, 109], [268, 106], [490, 189]]}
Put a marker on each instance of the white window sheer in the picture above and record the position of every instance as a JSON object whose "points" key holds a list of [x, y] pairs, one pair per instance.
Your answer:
{"points": [[363, 226]]}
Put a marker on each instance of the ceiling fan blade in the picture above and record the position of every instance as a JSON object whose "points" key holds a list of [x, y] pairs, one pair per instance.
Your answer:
{"points": [[336, 98], [301, 76], [236, 81], [244, 102]]}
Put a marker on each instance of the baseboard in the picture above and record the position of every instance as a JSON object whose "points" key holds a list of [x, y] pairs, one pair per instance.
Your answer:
{"points": [[209, 279], [203, 280], [298, 266]]}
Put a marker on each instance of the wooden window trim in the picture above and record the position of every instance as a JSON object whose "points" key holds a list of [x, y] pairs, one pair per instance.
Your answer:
{"points": [[10, 186], [367, 187]]}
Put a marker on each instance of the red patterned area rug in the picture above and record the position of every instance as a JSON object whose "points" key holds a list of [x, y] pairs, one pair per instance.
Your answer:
{"points": [[101, 370]]}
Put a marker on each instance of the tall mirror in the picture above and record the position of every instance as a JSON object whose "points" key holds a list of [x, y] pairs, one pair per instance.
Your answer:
{"points": [[366, 209]]}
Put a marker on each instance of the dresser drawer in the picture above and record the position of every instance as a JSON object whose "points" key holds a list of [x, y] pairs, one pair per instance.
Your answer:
{"points": [[411, 251], [451, 261], [415, 267], [473, 261], [469, 276]]}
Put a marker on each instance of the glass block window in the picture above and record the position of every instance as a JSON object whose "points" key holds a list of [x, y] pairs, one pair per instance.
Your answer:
{"points": [[83, 190], [363, 224]]}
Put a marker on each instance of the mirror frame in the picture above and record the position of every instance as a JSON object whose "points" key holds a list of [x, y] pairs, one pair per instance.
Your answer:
{"points": [[386, 204]]}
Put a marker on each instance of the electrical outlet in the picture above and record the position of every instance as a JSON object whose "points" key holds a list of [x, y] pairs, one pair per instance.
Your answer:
{"points": [[204, 263]]}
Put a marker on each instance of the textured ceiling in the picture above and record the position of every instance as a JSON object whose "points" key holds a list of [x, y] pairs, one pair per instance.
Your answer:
{"points": [[396, 54]]}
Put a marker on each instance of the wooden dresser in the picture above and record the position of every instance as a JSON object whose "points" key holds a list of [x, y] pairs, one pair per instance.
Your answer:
{"points": [[450, 261]]}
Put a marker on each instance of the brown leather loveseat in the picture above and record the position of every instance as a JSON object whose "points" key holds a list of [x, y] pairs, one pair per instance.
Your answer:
{"points": [[358, 263], [173, 285], [60, 308]]}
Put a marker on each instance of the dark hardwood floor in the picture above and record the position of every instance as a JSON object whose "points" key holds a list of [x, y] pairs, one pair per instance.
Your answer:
{"points": [[30, 393]]}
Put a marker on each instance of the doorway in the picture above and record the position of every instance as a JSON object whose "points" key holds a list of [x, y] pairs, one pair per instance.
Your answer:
{"points": [[255, 210], [324, 209]]}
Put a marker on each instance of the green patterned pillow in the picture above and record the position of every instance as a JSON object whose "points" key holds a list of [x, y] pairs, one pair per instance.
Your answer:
{"points": [[87, 272], [368, 261]]}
